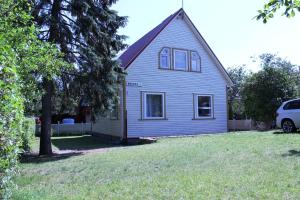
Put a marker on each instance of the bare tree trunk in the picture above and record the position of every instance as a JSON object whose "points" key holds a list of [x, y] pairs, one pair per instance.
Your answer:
{"points": [[45, 138]]}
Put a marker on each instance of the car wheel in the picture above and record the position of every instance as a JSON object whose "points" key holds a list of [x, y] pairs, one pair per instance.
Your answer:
{"points": [[288, 126]]}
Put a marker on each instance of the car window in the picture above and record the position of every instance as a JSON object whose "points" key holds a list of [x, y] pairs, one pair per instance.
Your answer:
{"points": [[292, 105]]}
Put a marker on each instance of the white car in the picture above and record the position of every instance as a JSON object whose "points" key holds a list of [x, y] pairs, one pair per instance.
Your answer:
{"points": [[288, 116]]}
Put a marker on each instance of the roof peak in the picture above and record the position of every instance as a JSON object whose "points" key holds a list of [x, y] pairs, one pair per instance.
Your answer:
{"points": [[136, 48]]}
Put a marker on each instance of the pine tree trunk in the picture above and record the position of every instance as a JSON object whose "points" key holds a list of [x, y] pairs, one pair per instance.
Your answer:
{"points": [[45, 138]]}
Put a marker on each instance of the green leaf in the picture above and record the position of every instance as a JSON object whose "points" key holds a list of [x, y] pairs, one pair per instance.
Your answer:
{"points": [[292, 13], [265, 21]]}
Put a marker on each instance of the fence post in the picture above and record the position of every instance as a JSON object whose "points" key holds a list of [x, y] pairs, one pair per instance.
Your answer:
{"points": [[91, 127], [58, 128], [234, 124]]}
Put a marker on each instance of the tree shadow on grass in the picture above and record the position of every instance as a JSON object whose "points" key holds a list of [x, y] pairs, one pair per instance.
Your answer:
{"points": [[85, 142], [70, 146], [292, 153], [35, 158], [283, 133]]}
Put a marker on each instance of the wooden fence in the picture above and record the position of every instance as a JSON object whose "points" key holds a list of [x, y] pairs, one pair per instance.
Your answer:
{"points": [[240, 125], [75, 129]]}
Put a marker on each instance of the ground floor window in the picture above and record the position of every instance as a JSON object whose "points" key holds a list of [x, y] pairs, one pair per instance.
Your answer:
{"points": [[203, 106], [153, 105]]}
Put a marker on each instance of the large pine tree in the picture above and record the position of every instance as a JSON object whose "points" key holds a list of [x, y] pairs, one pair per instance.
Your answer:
{"points": [[86, 32]]}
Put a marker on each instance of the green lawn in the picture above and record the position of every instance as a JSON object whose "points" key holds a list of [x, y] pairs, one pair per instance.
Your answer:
{"points": [[248, 165]]}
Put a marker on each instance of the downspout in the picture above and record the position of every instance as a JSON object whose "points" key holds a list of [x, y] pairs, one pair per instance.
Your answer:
{"points": [[227, 108], [125, 138]]}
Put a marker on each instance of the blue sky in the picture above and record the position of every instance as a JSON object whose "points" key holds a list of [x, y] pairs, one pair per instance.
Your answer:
{"points": [[227, 26]]}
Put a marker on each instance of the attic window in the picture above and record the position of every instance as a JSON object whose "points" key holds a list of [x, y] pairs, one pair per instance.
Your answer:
{"points": [[195, 62], [180, 59], [165, 58]]}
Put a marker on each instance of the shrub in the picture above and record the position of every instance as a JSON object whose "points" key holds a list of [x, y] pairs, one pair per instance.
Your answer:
{"points": [[27, 134], [11, 117], [22, 57], [8, 163]]}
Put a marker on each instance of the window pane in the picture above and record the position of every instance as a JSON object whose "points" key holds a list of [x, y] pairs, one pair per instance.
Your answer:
{"points": [[165, 58], [204, 108], [194, 65], [164, 62], [180, 58], [292, 105], [195, 62], [204, 101], [204, 112], [154, 105]]}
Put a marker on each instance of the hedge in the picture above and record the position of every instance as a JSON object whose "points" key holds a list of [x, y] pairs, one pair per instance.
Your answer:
{"points": [[11, 118], [27, 134]]}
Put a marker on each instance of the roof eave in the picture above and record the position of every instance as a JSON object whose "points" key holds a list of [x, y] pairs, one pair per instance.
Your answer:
{"points": [[217, 61]]}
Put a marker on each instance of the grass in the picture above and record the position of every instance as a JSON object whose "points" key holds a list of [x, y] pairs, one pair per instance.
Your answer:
{"points": [[247, 165]]}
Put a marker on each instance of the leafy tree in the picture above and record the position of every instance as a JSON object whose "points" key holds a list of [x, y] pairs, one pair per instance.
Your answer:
{"points": [[273, 6], [86, 32], [236, 108], [292, 71], [264, 91], [21, 55]]}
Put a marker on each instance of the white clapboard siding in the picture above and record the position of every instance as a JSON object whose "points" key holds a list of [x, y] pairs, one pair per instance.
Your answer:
{"points": [[108, 126], [179, 87]]}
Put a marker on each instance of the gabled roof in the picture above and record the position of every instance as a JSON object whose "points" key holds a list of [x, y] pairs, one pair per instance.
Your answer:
{"points": [[137, 48]]}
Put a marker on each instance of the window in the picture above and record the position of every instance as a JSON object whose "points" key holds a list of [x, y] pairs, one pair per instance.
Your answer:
{"points": [[180, 59], [153, 105], [292, 105], [195, 62], [164, 58], [203, 106]]}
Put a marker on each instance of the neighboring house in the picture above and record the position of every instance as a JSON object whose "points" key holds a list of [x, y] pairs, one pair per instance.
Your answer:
{"points": [[175, 85]]}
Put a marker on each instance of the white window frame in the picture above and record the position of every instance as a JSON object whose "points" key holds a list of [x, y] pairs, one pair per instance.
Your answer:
{"points": [[169, 58], [186, 58], [198, 61], [144, 105], [196, 116]]}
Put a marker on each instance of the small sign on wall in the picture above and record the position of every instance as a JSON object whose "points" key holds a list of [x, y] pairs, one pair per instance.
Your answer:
{"points": [[134, 84]]}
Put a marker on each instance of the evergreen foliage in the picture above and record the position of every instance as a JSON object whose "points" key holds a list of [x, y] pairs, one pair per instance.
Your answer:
{"points": [[86, 32]]}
